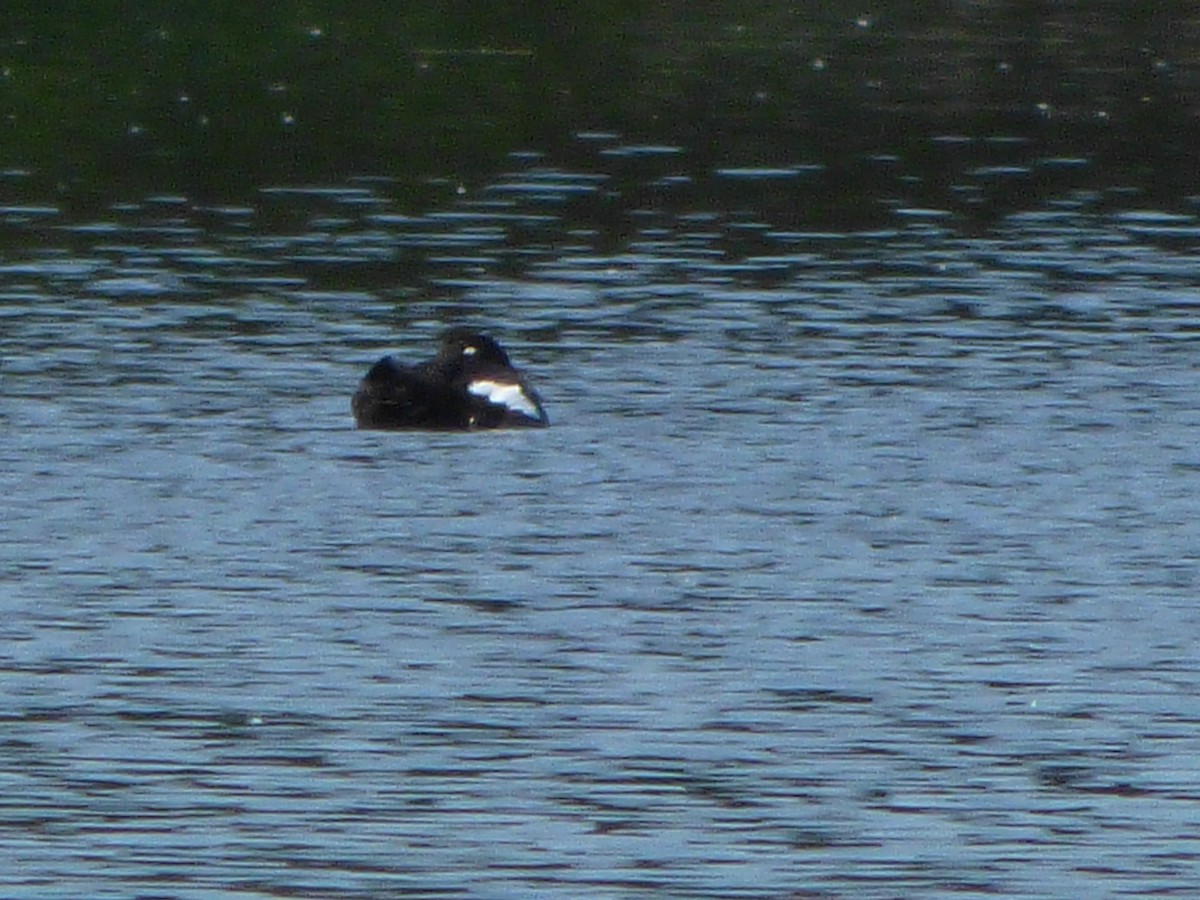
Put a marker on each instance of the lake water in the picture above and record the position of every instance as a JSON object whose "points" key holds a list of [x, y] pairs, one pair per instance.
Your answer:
{"points": [[856, 564]]}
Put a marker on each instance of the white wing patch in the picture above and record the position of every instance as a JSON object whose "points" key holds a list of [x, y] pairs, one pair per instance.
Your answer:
{"points": [[506, 394]]}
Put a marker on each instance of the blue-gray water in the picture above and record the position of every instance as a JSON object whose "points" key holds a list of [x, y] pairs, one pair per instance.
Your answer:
{"points": [[854, 565]]}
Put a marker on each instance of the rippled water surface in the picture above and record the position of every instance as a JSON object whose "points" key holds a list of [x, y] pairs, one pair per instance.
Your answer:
{"points": [[855, 565]]}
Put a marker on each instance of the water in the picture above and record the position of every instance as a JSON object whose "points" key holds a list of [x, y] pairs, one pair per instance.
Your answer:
{"points": [[855, 564]]}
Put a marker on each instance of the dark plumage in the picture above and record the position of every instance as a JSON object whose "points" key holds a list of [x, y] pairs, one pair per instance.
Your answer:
{"points": [[469, 384]]}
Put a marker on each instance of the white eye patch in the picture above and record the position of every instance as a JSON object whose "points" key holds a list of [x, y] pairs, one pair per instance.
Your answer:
{"points": [[501, 393], [469, 350]]}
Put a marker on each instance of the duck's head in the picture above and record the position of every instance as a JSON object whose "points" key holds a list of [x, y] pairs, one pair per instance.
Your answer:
{"points": [[466, 345]]}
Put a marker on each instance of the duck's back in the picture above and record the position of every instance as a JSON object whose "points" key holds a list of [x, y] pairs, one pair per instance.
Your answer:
{"points": [[392, 395]]}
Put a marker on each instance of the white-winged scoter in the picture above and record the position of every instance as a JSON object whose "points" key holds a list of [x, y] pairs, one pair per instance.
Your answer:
{"points": [[469, 384]]}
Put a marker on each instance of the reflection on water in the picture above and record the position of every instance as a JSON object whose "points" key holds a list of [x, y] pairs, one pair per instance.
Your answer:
{"points": [[857, 564]]}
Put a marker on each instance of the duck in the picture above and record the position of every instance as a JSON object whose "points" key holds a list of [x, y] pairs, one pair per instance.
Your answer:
{"points": [[469, 385]]}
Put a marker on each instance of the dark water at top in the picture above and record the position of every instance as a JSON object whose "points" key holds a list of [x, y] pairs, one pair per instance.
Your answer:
{"points": [[860, 561]]}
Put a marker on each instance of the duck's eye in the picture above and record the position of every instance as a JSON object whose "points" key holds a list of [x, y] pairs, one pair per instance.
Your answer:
{"points": [[469, 350]]}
